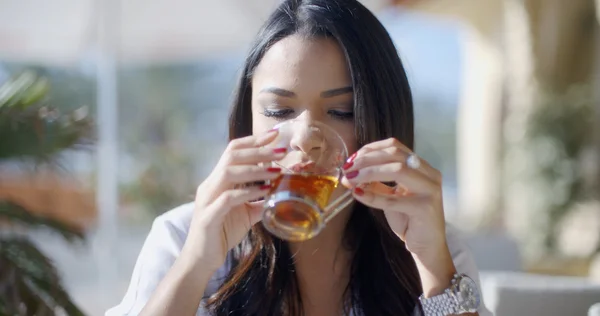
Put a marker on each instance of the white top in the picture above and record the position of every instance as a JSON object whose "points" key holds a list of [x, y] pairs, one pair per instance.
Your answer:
{"points": [[166, 239]]}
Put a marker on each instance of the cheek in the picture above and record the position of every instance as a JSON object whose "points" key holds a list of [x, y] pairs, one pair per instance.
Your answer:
{"points": [[347, 133], [260, 124]]}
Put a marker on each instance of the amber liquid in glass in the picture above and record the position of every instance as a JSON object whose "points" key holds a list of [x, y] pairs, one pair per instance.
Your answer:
{"points": [[294, 218]]}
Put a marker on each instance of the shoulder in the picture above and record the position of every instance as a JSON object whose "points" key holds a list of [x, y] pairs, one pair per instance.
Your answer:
{"points": [[172, 226], [171, 230], [177, 218], [162, 246]]}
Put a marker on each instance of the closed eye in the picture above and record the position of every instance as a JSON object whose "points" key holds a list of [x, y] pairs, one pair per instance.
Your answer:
{"points": [[341, 115], [284, 114], [278, 114]]}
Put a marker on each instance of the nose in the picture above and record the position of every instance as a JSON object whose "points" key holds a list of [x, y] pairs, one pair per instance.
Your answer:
{"points": [[307, 138]]}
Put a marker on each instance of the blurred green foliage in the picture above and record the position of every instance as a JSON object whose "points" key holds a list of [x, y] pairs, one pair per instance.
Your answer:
{"points": [[560, 139], [33, 133]]}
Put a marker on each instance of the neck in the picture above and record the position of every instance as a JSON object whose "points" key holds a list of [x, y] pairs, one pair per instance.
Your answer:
{"points": [[327, 245], [323, 264]]}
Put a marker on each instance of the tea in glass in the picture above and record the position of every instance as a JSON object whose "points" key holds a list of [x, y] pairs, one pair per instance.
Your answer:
{"points": [[298, 205]]}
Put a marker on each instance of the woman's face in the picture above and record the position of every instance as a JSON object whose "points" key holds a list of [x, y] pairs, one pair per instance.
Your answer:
{"points": [[305, 79]]}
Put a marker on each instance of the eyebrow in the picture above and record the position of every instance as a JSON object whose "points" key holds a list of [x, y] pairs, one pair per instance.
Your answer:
{"points": [[335, 92], [325, 94], [278, 91]]}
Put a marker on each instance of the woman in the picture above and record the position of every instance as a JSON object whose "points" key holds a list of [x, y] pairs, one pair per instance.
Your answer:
{"points": [[388, 254]]}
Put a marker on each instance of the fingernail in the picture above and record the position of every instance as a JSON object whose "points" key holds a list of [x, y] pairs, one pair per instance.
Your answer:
{"points": [[279, 150], [351, 158], [348, 165], [265, 187], [273, 130], [352, 174], [359, 191], [274, 169]]}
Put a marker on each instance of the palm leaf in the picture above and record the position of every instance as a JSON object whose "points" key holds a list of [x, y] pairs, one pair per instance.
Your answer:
{"points": [[8, 295], [16, 214], [33, 281], [30, 130], [36, 306], [23, 90], [25, 134], [36, 134]]}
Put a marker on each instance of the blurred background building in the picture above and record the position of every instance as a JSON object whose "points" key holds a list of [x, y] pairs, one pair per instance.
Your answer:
{"points": [[506, 99]]}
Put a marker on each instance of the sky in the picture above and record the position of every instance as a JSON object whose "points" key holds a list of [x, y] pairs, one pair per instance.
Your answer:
{"points": [[431, 53]]}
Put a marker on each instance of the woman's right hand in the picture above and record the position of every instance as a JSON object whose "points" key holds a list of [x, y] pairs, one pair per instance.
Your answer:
{"points": [[223, 213]]}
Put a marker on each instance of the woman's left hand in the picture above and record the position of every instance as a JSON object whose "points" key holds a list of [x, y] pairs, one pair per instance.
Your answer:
{"points": [[413, 208]]}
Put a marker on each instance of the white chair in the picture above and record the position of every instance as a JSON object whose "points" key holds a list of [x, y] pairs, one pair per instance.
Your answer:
{"points": [[495, 252], [514, 294], [594, 310]]}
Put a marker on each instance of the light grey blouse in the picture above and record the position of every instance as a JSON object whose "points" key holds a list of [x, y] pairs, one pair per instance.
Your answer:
{"points": [[166, 239]]}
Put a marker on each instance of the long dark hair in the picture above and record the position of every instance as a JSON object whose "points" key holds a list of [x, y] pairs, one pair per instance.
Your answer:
{"points": [[384, 279]]}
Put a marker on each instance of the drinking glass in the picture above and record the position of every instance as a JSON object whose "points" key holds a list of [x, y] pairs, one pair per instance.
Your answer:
{"points": [[299, 204]]}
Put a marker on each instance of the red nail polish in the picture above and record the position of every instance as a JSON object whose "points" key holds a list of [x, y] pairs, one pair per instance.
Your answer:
{"points": [[359, 191], [273, 169], [265, 187], [352, 174], [348, 165], [279, 150], [351, 159]]}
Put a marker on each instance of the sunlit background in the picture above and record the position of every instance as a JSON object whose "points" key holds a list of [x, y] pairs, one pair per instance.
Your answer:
{"points": [[507, 107]]}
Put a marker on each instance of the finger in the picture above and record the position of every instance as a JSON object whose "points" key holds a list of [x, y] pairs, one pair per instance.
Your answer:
{"points": [[254, 155], [379, 188], [385, 143], [253, 140], [387, 155], [376, 157], [247, 173], [413, 180], [232, 198], [409, 205]]}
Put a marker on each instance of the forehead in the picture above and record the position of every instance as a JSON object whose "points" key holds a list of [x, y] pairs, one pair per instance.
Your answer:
{"points": [[299, 62]]}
